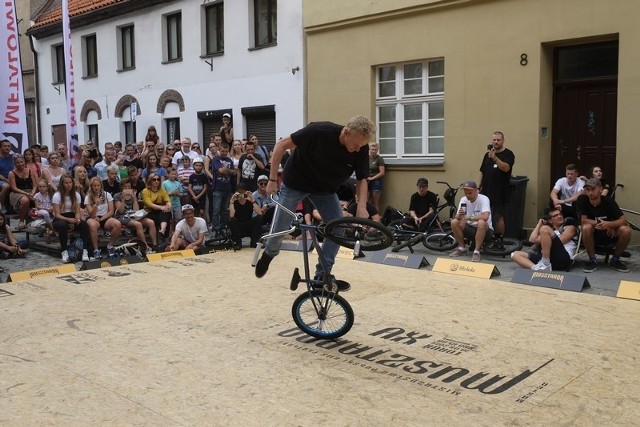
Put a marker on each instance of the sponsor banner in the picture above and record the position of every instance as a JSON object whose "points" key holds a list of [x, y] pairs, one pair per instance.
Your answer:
{"points": [[111, 262], [555, 279], [398, 260], [164, 256], [465, 268], [629, 290], [72, 124], [42, 272], [12, 110]]}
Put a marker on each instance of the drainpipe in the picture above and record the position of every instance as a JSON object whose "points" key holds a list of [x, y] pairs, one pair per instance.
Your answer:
{"points": [[37, 88]]}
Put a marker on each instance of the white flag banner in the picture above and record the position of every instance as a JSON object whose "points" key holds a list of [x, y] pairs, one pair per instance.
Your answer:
{"points": [[14, 118], [72, 125]]}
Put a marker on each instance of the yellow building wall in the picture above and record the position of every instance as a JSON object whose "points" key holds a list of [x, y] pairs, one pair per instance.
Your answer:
{"points": [[486, 87]]}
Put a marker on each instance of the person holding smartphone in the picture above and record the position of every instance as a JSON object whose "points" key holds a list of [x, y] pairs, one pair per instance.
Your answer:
{"points": [[495, 176], [242, 220]]}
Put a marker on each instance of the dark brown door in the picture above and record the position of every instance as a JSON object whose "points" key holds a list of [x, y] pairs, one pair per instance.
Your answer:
{"points": [[59, 136], [585, 103]]}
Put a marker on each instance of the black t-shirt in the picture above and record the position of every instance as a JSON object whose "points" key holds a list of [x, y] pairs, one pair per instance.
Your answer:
{"points": [[320, 163], [243, 212], [249, 172], [607, 210], [353, 208], [495, 183], [135, 162], [198, 181], [421, 204], [111, 189]]}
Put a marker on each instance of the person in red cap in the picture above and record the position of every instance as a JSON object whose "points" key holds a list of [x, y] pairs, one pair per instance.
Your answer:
{"points": [[472, 221]]}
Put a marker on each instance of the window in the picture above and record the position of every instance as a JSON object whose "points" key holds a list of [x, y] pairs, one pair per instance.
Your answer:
{"points": [[126, 48], [214, 28], [90, 56], [93, 134], [129, 132], [58, 64], [410, 111], [173, 129], [265, 22], [174, 36]]}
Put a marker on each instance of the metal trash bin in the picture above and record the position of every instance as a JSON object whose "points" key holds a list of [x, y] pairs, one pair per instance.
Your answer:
{"points": [[514, 215]]}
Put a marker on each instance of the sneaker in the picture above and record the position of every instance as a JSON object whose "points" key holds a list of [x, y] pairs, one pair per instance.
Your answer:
{"points": [[343, 286], [85, 255], [590, 266], [541, 266], [459, 252], [111, 251], [262, 266], [475, 257], [616, 264], [96, 254], [65, 256]]}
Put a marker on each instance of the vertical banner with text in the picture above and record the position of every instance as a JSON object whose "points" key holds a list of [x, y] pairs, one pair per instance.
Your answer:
{"points": [[14, 118], [72, 125]]}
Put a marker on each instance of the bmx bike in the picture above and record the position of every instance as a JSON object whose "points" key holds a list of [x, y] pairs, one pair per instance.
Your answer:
{"points": [[320, 311]]}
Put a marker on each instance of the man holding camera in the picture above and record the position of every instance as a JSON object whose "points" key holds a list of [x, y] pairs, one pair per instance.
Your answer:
{"points": [[242, 220], [495, 176]]}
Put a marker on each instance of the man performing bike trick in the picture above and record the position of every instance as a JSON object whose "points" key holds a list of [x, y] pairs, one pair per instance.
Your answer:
{"points": [[324, 156]]}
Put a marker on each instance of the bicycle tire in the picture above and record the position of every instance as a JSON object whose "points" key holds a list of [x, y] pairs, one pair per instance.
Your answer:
{"points": [[334, 323], [508, 245], [346, 231], [439, 241]]}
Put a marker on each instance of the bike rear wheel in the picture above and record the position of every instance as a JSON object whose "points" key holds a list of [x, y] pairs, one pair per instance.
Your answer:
{"points": [[502, 247], [440, 241], [322, 314], [346, 231]]}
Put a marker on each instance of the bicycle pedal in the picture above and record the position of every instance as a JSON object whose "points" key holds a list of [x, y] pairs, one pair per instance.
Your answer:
{"points": [[295, 279]]}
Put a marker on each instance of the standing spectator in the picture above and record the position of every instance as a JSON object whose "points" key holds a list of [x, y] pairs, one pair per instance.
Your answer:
{"points": [[224, 175], [495, 177], [242, 221], [53, 172], [602, 223], [84, 160], [160, 149], [99, 206], [132, 158], [198, 187], [236, 152], [6, 166], [9, 246], [185, 170], [261, 151], [31, 163], [23, 184], [65, 160], [153, 167], [473, 220], [68, 214], [170, 151], [226, 130], [555, 237], [566, 191], [376, 172], [250, 167], [189, 233], [157, 203], [185, 150], [172, 186], [152, 135], [196, 147]]}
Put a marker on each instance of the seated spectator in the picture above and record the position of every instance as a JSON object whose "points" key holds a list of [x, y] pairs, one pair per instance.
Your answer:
{"points": [[99, 206], [350, 207], [422, 206], [81, 182], [556, 239], [596, 172], [473, 220], [136, 182], [263, 199], [242, 222], [53, 172], [24, 184], [157, 202], [189, 233], [32, 163], [125, 203], [108, 160], [603, 223], [9, 246], [44, 207], [67, 213], [132, 157], [86, 161], [152, 165], [566, 191], [112, 184]]}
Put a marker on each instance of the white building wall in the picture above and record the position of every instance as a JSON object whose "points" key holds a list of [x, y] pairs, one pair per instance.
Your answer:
{"points": [[239, 78]]}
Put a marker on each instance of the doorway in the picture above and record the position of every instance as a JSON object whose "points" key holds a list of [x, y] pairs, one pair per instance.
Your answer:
{"points": [[585, 99]]}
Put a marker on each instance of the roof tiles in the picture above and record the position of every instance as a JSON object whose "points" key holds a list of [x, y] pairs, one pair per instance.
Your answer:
{"points": [[76, 8]]}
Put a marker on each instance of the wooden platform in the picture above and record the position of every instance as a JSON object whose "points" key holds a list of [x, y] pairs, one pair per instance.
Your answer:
{"points": [[201, 341]]}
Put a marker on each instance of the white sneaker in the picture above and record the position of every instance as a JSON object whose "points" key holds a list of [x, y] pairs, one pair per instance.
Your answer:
{"points": [[540, 266], [85, 255], [65, 257]]}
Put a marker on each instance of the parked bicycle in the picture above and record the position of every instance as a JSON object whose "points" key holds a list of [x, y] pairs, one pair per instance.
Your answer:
{"points": [[493, 245], [320, 311], [406, 235]]}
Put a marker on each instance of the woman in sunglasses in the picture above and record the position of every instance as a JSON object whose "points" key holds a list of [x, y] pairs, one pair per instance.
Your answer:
{"points": [[157, 202]]}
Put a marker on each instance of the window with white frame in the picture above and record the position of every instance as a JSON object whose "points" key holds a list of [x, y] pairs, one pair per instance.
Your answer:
{"points": [[173, 37], [214, 28], [265, 22], [410, 111]]}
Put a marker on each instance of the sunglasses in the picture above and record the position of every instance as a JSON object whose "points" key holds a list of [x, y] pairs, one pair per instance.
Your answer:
{"points": [[262, 183], [155, 179]]}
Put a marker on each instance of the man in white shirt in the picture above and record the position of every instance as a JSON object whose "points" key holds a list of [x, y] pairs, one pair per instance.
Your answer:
{"points": [[472, 221], [189, 233], [566, 191], [185, 151]]}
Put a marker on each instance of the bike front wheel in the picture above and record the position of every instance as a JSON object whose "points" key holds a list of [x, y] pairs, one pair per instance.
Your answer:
{"points": [[346, 231], [440, 241], [322, 314], [502, 247]]}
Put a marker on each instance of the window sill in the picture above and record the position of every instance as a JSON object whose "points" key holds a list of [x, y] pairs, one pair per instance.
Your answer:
{"points": [[172, 61], [263, 46], [212, 55], [95, 76], [122, 70], [434, 161]]}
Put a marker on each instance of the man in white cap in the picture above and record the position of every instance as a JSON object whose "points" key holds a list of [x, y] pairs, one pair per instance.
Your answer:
{"points": [[189, 233], [226, 130], [472, 221]]}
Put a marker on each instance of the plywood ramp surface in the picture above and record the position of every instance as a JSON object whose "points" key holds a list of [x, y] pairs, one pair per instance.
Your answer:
{"points": [[201, 341]]}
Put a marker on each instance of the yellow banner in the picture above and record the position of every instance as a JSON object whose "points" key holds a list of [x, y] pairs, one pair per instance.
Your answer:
{"points": [[465, 268], [164, 256], [630, 290], [42, 272]]}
